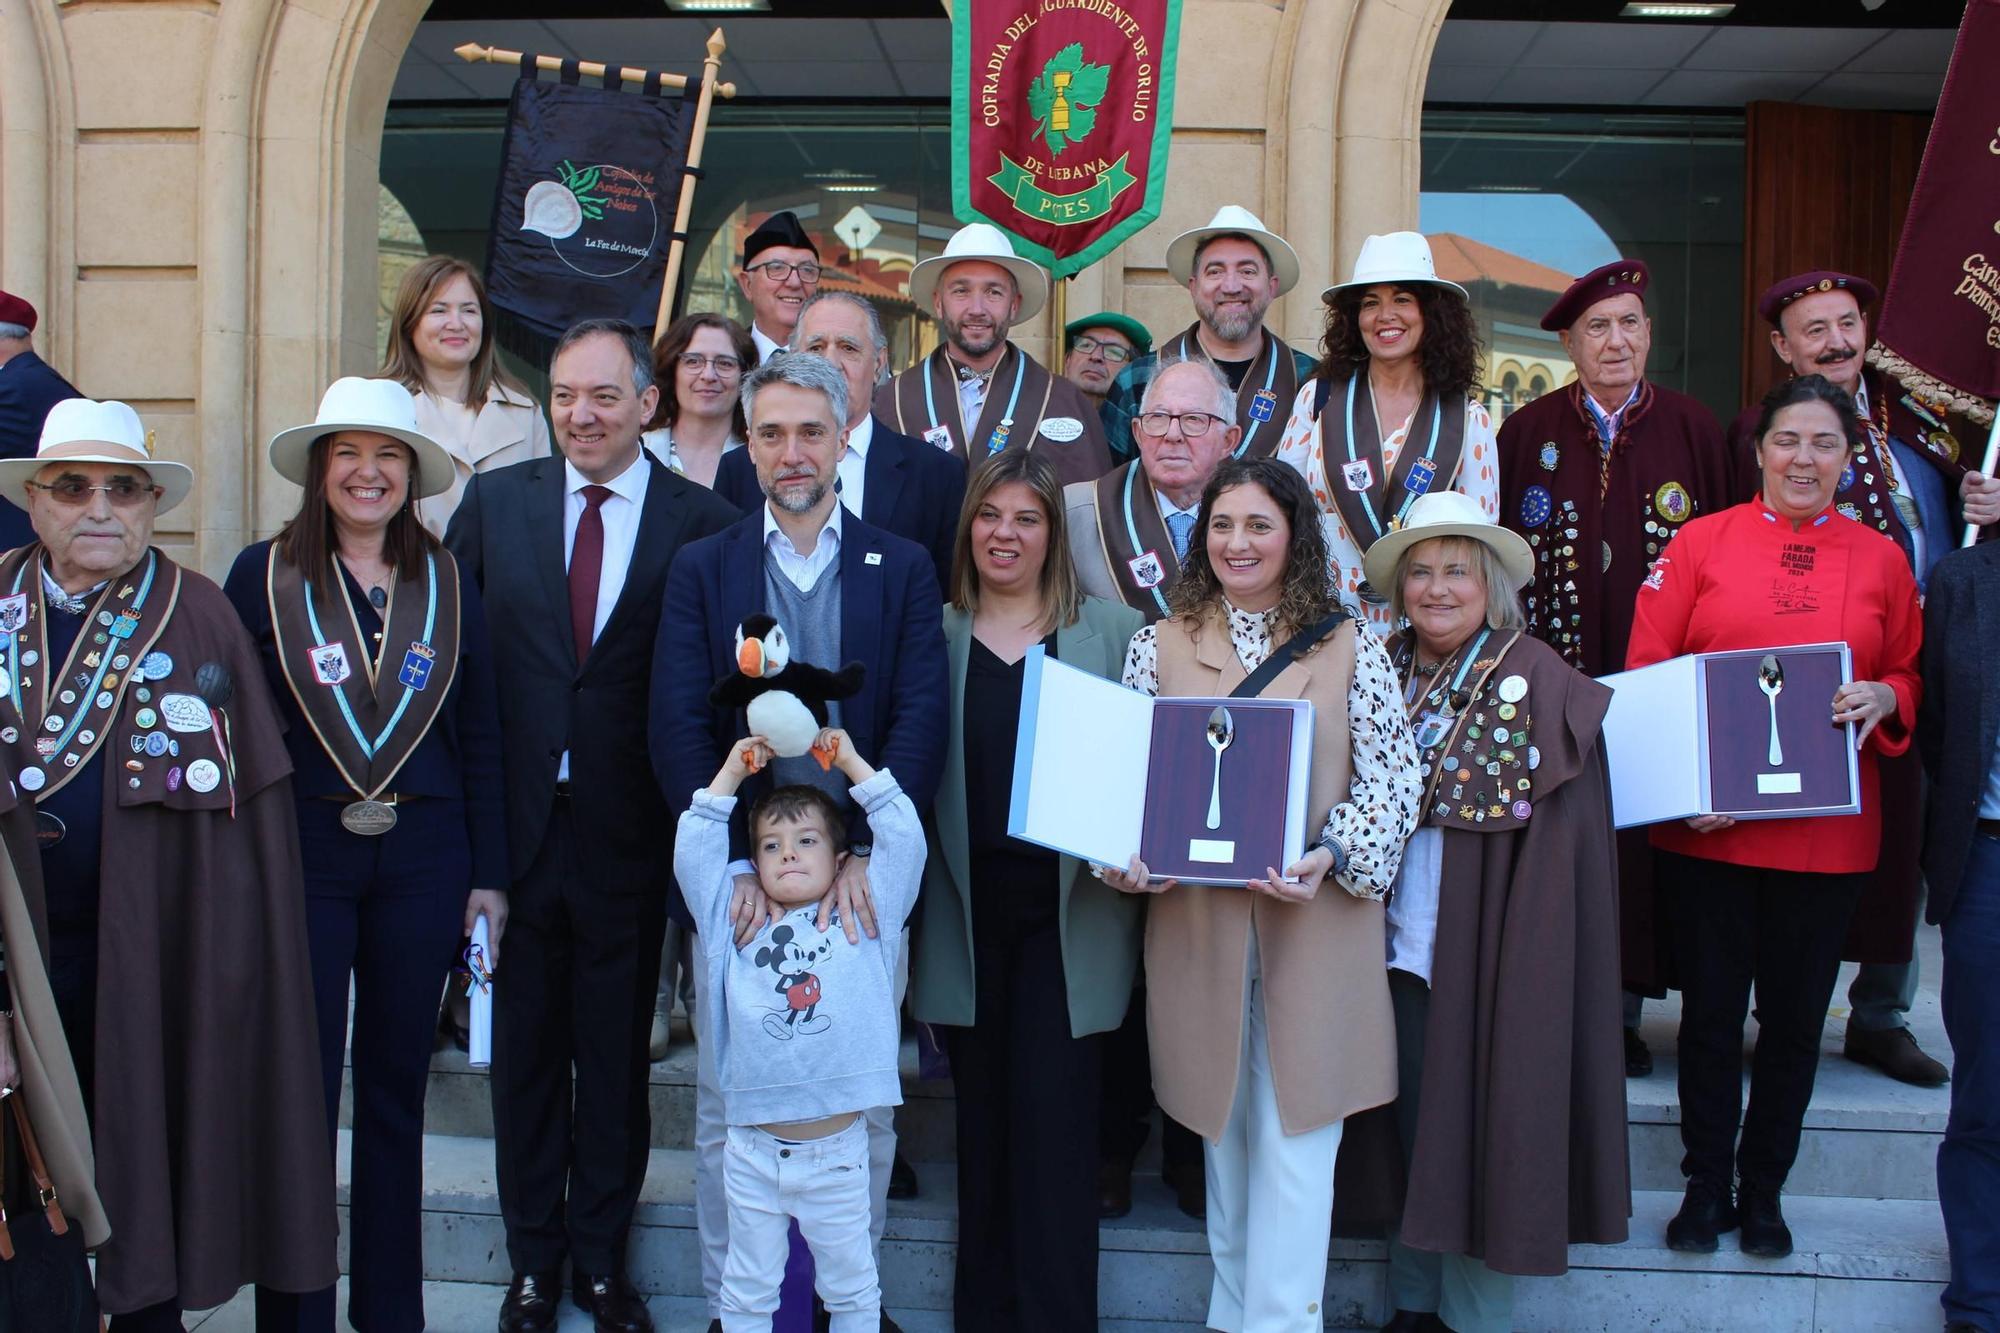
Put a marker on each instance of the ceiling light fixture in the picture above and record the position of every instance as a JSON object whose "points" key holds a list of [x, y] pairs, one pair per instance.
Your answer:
{"points": [[719, 6], [1642, 10]]}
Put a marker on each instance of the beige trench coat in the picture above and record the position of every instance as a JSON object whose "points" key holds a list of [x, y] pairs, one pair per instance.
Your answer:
{"points": [[1326, 991]]}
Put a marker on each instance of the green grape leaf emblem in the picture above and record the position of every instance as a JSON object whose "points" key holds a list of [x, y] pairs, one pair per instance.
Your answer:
{"points": [[1064, 98]]}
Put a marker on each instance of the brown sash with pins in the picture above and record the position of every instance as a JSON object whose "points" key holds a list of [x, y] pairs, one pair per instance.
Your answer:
{"points": [[1138, 548], [927, 401], [1349, 437], [390, 701], [1268, 388], [54, 736], [1475, 768]]}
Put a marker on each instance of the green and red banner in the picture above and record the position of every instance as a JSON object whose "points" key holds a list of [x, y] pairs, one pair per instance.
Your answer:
{"points": [[1059, 131]]}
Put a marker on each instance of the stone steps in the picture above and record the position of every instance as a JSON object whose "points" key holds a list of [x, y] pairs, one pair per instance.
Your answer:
{"points": [[1863, 1264]]}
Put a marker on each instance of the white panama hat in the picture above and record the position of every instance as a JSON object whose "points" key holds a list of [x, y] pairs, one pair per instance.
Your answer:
{"points": [[1399, 257], [982, 241], [383, 407], [1233, 220], [82, 430], [1446, 514]]}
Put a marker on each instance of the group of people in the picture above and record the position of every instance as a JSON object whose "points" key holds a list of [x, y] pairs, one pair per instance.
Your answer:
{"points": [[710, 697]]}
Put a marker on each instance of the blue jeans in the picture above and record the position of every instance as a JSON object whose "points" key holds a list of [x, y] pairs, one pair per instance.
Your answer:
{"points": [[1969, 1160]]}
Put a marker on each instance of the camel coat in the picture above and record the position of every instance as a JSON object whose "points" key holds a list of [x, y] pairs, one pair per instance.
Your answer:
{"points": [[1326, 994], [509, 429], [47, 1079]]}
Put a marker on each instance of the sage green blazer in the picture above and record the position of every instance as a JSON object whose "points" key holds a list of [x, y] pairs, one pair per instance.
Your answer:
{"points": [[1102, 929]]}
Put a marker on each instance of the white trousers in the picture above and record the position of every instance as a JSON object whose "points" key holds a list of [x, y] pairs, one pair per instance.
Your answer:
{"points": [[823, 1184], [711, 1211], [1270, 1200]]}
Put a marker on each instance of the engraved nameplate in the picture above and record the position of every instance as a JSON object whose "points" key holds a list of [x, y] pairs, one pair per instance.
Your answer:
{"points": [[1777, 784], [1212, 851]]}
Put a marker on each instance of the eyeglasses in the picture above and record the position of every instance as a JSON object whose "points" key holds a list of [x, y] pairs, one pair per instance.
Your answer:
{"points": [[726, 367], [777, 270], [1194, 425], [75, 491], [1116, 353]]}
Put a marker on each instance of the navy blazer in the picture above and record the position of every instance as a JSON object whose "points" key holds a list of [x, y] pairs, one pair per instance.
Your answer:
{"points": [[1958, 721], [912, 489], [508, 536], [891, 621], [29, 387]]}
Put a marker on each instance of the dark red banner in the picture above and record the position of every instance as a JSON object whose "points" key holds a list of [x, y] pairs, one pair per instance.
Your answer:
{"points": [[1941, 317], [1061, 121]]}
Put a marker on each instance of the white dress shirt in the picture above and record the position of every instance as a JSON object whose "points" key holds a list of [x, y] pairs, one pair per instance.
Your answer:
{"points": [[620, 513], [854, 464], [803, 570], [767, 346], [971, 399]]}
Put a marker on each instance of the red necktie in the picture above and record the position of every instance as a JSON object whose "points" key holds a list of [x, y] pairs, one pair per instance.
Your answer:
{"points": [[586, 565]]}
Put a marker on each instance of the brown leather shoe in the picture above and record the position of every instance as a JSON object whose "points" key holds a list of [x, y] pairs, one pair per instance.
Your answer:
{"points": [[613, 1303], [1114, 1189], [1895, 1052], [1190, 1187]]}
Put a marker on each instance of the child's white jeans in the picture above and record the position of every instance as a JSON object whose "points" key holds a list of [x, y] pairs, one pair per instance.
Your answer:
{"points": [[824, 1184]]}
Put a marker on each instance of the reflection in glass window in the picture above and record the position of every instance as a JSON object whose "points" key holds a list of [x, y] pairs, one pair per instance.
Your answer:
{"points": [[1518, 203]]}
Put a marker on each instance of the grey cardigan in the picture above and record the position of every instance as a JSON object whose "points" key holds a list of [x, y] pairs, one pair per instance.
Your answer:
{"points": [[1101, 928]]}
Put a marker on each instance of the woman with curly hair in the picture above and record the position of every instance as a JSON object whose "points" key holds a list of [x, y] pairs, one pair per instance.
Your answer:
{"points": [[1269, 1009], [1390, 413]]}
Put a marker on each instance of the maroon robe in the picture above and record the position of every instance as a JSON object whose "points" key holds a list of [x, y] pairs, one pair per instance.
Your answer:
{"points": [[210, 1119], [1595, 537]]}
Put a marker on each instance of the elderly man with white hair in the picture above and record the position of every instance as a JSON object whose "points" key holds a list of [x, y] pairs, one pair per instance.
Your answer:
{"points": [[979, 392], [137, 719]]}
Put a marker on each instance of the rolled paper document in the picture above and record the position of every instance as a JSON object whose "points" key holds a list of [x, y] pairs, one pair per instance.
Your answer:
{"points": [[479, 990]]}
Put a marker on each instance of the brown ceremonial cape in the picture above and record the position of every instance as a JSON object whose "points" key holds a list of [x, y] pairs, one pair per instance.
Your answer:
{"points": [[924, 399], [1521, 1139], [1595, 536], [1138, 548], [1427, 461], [210, 1124], [48, 1078]]}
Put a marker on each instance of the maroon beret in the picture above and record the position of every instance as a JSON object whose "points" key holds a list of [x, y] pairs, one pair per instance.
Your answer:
{"points": [[1620, 275], [13, 310], [1781, 294]]}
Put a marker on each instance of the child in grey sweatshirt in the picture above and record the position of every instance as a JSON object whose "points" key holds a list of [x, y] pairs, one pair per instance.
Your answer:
{"points": [[806, 1036]]}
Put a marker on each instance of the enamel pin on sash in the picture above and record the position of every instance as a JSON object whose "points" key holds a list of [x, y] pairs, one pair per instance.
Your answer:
{"points": [[1358, 475], [1263, 405], [329, 663], [13, 613], [1147, 571], [416, 672]]}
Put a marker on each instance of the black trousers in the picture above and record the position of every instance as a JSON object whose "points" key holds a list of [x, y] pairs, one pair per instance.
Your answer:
{"points": [[1777, 930], [1128, 1100], [578, 971], [1027, 1142]]}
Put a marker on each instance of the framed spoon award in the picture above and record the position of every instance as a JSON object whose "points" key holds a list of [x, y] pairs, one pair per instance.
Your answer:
{"points": [[1207, 791]]}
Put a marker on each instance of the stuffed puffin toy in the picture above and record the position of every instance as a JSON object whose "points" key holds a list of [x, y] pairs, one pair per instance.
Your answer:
{"points": [[784, 701]]}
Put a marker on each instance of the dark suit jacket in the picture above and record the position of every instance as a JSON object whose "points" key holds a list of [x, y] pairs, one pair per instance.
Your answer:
{"points": [[913, 489], [508, 537], [890, 622], [1959, 717], [29, 387]]}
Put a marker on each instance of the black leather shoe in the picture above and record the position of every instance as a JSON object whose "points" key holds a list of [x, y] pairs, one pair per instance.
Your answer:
{"points": [[1190, 1187], [715, 1326], [1414, 1321], [1706, 1212], [612, 1302], [822, 1320], [1114, 1189], [1765, 1234], [530, 1304], [1638, 1057], [1895, 1052]]}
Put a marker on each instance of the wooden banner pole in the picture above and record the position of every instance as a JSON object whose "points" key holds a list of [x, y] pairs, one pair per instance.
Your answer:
{"points": [[678, 247], [475, 54]]}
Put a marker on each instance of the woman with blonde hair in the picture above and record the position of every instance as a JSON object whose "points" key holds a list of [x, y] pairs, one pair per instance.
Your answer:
{"points": [[1020, 955], [441, 349]]}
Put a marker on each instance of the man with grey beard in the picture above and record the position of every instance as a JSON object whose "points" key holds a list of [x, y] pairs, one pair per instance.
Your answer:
{"points": [[1233, 269]]}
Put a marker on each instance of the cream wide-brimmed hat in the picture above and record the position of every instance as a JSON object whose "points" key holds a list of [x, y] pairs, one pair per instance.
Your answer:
{"points": [[1401, 257], [1233, 220], [383, 407], [1446, 514], [82, 430], [986, 242]]}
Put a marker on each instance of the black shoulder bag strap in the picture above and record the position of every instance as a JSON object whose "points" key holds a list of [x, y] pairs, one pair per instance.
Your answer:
{"points": [[1286, 653]]}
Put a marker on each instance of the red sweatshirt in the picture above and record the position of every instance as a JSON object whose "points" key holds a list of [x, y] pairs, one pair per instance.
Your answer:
{"points": [[1744, 578]]}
